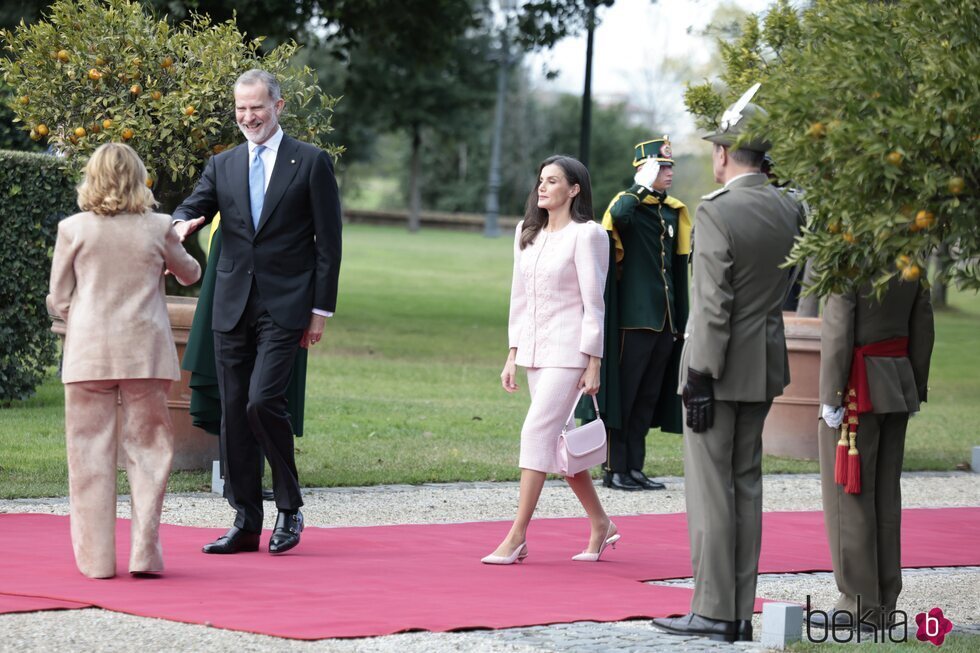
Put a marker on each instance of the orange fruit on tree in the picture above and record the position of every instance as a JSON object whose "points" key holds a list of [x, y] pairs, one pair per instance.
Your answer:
{"points": [[149, 182], [128, 133], [167, 62], [80, 132], [911, 273], [924, 219], [218, 149], [895, 158], [73, 139], [849, 237], [42, 129], [135, 89], [957, 185], [816, 130], [156, 95], [63, 56], [23, 99], [35, 136], [189, 110], [903, 261], [94, 74], [106, 124], [95, 128], [834, 227]]}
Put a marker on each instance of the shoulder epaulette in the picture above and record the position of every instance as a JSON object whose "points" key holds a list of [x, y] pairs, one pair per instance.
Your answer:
{"points": [[718, 193]]}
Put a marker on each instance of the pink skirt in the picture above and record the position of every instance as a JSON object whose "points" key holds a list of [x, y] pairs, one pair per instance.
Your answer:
{"points": [[553, 393]]}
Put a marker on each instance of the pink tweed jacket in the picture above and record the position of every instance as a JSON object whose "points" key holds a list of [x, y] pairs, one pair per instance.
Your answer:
{"points": [[107, 284], [556, 304]]}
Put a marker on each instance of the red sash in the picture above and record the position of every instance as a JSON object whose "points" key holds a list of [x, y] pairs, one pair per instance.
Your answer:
{"points": [[847, 466]]}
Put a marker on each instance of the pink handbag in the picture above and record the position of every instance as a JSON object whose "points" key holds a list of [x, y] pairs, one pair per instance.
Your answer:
{"points": [[583, 447]]}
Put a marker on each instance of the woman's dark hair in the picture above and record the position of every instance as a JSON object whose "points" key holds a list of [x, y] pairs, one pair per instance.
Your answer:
{"points": [[536, 218]]}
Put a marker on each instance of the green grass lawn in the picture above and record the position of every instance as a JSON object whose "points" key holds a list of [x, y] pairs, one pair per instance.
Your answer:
{"points": [[405, 386]]}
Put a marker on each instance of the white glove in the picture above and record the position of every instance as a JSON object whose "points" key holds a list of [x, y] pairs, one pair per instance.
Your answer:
{"points": [[832, 415], [647, 174]]}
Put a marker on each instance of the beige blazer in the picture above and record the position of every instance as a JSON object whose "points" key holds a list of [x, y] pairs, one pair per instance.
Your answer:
{"points": [[107, 284], [897, 385], [556, 305], [742, 234]]}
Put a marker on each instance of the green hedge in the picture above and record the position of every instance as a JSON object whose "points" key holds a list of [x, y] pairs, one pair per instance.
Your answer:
{"points": [[35, 192]]}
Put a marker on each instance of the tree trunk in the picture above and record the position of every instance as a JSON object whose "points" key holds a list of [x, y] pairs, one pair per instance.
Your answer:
{"points": [[414, 182]]}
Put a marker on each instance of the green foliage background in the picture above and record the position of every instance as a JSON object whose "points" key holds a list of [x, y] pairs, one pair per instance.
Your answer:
{"points": [[874, 111], [34, 194], [183, 110]]}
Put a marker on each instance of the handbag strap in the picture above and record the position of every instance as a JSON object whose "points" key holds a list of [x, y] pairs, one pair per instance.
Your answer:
{"points": [[571, 415]]}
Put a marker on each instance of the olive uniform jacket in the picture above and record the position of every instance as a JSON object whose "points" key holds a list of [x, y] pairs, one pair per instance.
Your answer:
{"points": [[850, 320], [742, 234]]}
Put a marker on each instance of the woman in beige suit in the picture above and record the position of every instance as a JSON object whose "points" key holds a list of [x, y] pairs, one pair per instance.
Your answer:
{"points": [[561, 257], [107, 284]]}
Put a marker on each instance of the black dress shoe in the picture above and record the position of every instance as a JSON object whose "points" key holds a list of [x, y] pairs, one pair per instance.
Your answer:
{"points": [[234, 541], [647, 484], [286, 534], [268, 495], [695, 624], [618, 481], [743, 630]]}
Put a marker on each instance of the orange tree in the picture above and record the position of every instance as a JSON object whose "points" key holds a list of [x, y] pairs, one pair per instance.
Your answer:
{"points": [[93, 71], [874, 111]]}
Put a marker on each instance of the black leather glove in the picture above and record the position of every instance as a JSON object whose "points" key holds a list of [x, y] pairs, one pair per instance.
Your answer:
{"points": [[699, 399]]}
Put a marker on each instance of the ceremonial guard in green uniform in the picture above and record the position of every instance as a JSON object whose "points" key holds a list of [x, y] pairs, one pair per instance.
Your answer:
{"points": [[733, 364], [874, 370], [651, 237]]}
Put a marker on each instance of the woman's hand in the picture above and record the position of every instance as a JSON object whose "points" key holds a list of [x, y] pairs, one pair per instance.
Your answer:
{"points": [[508, 378], [590, 377]]}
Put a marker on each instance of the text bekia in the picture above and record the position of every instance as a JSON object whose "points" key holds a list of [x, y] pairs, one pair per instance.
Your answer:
{"points": [[867, 625]]}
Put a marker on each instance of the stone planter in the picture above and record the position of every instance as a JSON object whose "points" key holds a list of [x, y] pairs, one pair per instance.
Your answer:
{"points": [[791, 428], [193, 447]]}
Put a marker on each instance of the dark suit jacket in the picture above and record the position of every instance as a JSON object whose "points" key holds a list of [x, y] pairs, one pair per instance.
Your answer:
{"points": [[294, 254]]}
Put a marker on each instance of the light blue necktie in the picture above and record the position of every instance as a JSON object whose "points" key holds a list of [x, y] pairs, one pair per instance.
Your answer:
{"points": [[256, 185]]}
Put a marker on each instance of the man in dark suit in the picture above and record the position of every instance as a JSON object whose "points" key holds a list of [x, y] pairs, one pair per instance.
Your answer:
{"points": [[276, 285]]}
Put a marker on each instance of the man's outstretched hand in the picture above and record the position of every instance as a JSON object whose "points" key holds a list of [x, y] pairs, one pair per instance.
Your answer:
{"points": [[185, 228]]}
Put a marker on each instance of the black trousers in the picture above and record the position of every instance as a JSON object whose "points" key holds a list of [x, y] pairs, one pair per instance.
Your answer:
{"points": [[254, 362], [644, 356]]}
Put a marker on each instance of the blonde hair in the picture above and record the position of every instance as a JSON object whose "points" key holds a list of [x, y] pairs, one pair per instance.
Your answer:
{"points": [[115, 182]]}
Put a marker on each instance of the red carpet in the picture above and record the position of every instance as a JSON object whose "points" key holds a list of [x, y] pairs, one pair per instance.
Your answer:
{"points": [[356, 582]]}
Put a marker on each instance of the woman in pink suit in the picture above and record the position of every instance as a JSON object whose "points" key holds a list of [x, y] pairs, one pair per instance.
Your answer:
{"points": [[107, 284], [561, 257]]}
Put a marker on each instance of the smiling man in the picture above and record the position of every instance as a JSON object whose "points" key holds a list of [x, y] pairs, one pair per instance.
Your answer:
{"points": [[276, 285]]}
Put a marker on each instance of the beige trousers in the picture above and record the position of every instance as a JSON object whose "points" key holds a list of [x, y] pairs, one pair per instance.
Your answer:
{"points": [[723, 492], [146, 439]]}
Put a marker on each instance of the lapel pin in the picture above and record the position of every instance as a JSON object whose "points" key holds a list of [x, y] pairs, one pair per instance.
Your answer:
{"points": [[293, 161]]}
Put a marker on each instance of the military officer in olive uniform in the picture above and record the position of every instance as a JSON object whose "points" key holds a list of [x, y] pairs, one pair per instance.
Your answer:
{"points": [[880, 349], [733, 364], [651, 232]]}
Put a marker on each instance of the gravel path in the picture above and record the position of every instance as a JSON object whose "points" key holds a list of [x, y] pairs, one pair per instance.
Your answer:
{"points": [[955, 590]]}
